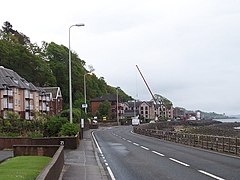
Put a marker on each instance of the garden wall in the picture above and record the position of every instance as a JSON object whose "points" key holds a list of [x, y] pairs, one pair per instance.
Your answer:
{"points": [[69, 142], [54, 168]]}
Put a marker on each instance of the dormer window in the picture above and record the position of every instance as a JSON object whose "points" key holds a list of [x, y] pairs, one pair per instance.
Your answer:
{"points": [[16, 81]]}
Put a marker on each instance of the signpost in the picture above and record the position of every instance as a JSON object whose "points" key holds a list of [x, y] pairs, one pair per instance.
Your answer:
{"points": [[82, 127]]}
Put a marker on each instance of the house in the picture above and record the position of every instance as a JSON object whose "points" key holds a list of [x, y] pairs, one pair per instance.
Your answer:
{"points": [[55, 97], [142, 108], [20, 96], [112, 98], [147, 110]]}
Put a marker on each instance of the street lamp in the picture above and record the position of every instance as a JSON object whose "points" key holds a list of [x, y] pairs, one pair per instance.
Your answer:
{"points": [[117, 88], [85, 91], [70, 73]]}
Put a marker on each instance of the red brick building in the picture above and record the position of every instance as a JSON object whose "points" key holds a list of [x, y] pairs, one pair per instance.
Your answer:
{"points": [[112, 98], [55, 99]]}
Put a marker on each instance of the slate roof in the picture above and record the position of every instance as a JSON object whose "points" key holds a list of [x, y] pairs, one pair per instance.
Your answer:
{"points": [[108, 97], [12, 79], [131, 104], [54, 90], [138, 103]]}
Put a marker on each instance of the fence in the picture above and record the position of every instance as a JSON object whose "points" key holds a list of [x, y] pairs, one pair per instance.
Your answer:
{"points": [[216, 143]]}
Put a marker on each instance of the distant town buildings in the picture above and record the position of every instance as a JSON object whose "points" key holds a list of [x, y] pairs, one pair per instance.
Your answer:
{"points": [[22, 97], [144, 109]]}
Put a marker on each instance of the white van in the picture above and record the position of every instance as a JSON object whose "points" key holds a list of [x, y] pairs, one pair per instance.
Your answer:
{"points": [[135, 121]]}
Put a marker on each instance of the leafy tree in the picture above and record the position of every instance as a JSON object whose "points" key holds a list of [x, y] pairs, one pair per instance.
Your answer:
{"points": [[104, 109], [77, 114], [47, 65]]}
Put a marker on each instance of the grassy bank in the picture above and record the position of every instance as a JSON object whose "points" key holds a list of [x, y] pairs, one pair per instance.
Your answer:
{"points": [[23, 167]]}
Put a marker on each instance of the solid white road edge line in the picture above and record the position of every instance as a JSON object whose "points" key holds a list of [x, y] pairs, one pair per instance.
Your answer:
{"points": [[108, 168], [211, 175], [96, 143], [177, 161], [110, 173], [144, 147], [158, 153]]}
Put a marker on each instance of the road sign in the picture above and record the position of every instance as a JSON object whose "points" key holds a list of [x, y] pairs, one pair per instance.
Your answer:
{"points": [[84, 105]]}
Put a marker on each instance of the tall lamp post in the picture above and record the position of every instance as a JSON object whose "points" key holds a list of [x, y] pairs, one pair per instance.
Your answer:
{"points": [[117, 88], [85, 90], [70, 72]]}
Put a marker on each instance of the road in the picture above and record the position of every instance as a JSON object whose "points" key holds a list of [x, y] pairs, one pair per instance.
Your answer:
{"points": [[130, 156]]}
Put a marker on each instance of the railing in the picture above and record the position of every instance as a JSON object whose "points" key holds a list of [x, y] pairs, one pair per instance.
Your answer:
{"points": [[7, 105], [8, 92], [222, 144]]}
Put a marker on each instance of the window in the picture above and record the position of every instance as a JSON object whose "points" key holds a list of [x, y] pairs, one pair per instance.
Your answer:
{"points": [[146, 112], [146, 108], [141, 108]]}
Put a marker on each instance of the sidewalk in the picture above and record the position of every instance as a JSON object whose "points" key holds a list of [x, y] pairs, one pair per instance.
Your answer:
{"points": [[83, 163], [5, 155]]}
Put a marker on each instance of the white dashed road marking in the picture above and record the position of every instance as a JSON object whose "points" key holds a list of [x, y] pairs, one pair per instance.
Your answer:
{"points": [[179, 162], [145, 148], [211, 175], [136, 144], [155, 152]]}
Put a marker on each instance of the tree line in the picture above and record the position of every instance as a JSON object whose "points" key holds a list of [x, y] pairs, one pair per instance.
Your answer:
{"points": [[47, 65]]}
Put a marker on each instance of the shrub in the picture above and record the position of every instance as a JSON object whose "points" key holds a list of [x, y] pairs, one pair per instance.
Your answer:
{"points": [[69, 129], [54, 125], [77, 114]]}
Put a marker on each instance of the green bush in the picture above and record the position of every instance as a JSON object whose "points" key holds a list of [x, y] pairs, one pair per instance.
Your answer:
{"points": [[69, 129], [77, 114], [54, 125], [34, 135]]}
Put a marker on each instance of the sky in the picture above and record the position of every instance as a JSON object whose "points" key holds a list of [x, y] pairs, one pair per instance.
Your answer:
{"points": [[188, 50]]}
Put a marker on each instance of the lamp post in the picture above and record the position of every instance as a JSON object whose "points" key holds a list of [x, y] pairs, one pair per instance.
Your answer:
{"points": [[70, 73], [117, 88], [85, 90]]}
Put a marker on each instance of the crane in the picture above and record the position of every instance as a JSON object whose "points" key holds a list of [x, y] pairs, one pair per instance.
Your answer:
{"points": [[155, 100]]}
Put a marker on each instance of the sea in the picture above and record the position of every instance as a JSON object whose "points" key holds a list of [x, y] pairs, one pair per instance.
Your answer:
{"points": [[228, 120]]}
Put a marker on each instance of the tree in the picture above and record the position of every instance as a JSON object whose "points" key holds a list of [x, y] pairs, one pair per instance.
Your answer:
{"points": [[104, 109], [48, 66]]}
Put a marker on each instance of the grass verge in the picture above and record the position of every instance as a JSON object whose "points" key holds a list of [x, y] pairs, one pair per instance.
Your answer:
{"points": [[23, 167]]}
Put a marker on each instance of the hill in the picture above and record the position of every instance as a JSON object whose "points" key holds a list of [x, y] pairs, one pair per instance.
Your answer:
{"points": [[47, 65]]}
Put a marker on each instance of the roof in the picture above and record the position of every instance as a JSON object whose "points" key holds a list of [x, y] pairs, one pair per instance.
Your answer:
{"points": [[108, 97], [12, 79], [55, 91], [131, 103], [138, 103]]}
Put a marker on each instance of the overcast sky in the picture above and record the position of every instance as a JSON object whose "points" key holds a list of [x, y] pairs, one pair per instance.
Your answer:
{"points": [[187, 50]]}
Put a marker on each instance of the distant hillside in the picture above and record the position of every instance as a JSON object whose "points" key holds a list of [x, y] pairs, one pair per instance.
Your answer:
{"points": [[48, 66]]}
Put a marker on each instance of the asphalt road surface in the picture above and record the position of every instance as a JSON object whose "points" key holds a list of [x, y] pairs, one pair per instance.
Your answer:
{"points": [[129, 156]]}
